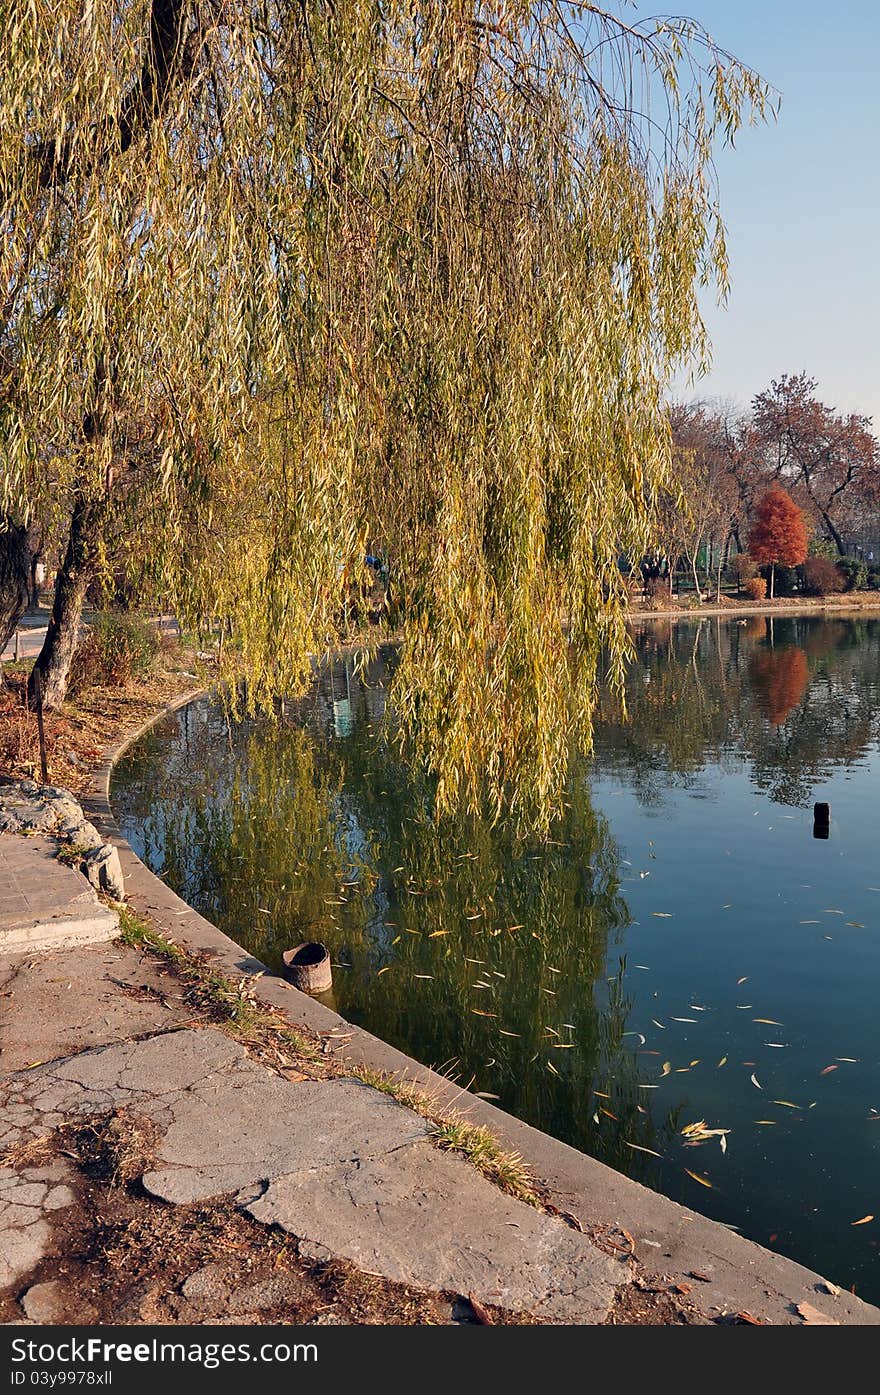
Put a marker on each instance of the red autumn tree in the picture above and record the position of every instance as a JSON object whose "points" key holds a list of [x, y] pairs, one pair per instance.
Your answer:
{"points": [[779, 532]]}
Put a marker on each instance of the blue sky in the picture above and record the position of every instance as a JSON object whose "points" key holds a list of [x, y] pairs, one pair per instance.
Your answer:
{"points": [[801, 200]]}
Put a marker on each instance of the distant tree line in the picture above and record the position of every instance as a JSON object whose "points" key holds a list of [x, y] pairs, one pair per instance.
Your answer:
{"points": [[733, 467]]}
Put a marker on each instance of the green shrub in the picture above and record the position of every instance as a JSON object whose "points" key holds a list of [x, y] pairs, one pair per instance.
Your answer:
{"points": [[787, 581], [822, 577], [855, 572], [118, 647], [823, 547]]}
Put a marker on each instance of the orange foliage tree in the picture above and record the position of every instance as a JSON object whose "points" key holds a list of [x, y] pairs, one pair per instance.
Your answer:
{"points": [[779, 532]]}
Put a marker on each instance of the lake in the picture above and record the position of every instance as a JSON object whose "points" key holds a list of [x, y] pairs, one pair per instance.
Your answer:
{"points": [[687, 950]]}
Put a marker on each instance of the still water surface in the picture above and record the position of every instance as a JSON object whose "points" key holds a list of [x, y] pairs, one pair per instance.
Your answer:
{"points": [[684, 950]]}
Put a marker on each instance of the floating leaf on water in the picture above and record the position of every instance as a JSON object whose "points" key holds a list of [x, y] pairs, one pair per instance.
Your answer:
{"points": [[809, 922], [852, 1060], [828, 1070], [385, 970], [662, 915], [639, 1149], [435, 934], [658, 1024], [485, 1095], [703, 1181], [857, 924], [602, 1095], [683, 1019], [550, 1066], [723, 1142], [863, 1221], [478, 1012], [722, 1062], [667, 1068], [755, 1083], [649, 1087], [423, 975], [788, 1104], [767, 1122], [608, 1114], [767, 1021], [744, 979]]}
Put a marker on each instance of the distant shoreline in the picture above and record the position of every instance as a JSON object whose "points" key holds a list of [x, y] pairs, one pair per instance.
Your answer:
{"points": [[740, 609]]}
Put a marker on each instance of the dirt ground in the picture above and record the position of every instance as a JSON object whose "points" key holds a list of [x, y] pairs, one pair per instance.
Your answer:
{"points": [[77, 737]]}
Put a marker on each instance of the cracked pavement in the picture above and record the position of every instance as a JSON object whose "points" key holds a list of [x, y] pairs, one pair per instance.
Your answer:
{"points": [[339, 1165]]}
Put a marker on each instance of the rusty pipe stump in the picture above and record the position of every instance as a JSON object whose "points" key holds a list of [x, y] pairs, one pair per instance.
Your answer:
{"points": [[307, 966]]}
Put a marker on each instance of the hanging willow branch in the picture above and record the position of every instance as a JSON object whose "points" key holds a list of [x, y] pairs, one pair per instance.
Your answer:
{"points": [[285, 279]]}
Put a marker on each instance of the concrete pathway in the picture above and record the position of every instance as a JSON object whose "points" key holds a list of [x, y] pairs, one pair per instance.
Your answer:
{"points": [[43, 903], [31, 633], [99, 1031], [340, 1165]]}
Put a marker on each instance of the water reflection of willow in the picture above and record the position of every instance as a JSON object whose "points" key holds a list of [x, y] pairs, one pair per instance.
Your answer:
{"points": [[481, 955]]}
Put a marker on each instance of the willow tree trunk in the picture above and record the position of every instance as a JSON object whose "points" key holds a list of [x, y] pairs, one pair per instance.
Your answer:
{"points": [[15, 578], [77, 570]]}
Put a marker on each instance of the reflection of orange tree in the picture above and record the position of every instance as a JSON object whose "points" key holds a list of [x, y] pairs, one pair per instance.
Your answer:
{"points": [[692, 704], [779, 678]]}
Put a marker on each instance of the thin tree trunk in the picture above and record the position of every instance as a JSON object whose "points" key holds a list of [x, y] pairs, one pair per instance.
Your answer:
{"points": [[15, 575], [77, 570], [37, 544], [772, 577], [693, 562]]}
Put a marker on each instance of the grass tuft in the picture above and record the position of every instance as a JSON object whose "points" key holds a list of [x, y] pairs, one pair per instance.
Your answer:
{"points": [[230, 1004], [450, 1132]]}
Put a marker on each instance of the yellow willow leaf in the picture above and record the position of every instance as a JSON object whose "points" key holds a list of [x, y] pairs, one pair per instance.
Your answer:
{"points": [[703, 1181]]}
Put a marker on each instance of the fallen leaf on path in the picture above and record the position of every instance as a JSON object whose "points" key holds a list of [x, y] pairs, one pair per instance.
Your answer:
{"points": [[480, 1312], [813, 1318]]}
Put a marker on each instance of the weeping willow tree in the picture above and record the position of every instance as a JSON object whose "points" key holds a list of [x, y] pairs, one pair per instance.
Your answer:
{"points": [[285, 279]]}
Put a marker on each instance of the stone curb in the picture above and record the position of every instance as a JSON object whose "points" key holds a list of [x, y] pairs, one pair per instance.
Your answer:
{"points": [[669, 1238]]}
